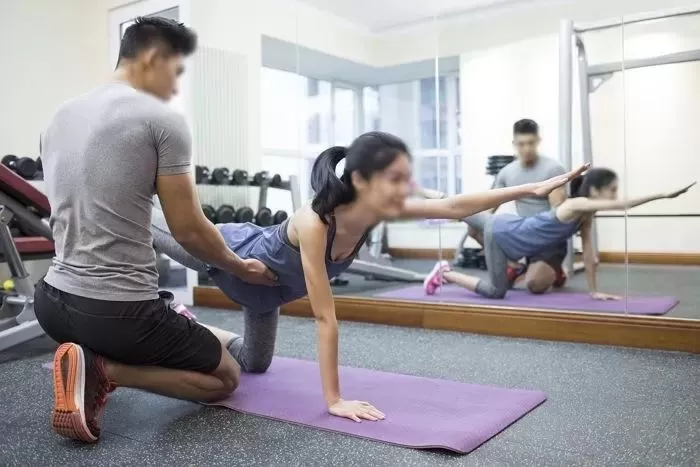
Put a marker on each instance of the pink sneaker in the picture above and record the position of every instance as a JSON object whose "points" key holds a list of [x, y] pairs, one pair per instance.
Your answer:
{"points": [[181, 309], [434, 279]]}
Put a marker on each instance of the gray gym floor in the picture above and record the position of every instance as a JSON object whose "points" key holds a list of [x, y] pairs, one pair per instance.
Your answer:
{"points": [[607, 406], [679, 281]]}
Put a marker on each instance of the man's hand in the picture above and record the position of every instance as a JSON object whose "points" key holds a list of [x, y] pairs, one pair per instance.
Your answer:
{"points": [[255, 272], [546, 187]]}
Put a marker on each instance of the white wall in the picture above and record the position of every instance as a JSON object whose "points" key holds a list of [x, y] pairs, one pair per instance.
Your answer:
{"points": [[51, 51]]}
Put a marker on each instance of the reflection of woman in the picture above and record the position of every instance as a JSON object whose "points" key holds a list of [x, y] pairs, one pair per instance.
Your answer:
{"points": [[510, 237], [320, 240]]}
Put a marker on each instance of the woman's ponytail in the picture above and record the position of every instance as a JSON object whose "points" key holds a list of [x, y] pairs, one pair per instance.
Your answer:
{"points": [[330, 191], [575, 187]]}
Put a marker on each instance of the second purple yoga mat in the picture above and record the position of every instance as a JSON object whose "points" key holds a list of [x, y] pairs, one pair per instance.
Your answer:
{"points": [[420, 412], [558, 300]]}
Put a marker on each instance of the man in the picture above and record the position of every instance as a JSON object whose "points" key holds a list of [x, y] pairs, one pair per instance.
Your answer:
{"points": [[543, 271], [105, 154]]}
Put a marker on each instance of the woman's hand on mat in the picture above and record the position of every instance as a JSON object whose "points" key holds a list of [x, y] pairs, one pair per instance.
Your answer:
{"points": [[676, 194], [255, 272], [604, 296], [355, 410], [546, 187]]}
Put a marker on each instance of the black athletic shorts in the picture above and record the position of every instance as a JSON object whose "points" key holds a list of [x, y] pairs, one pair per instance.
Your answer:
{"points": [[134, 333], [554, 256]]}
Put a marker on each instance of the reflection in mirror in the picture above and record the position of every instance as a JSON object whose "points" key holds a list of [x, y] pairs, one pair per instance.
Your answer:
{"points": [[662, 115], [593, 131]]}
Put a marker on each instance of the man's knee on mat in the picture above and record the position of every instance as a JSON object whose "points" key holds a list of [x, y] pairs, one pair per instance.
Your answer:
{"points": [[540, 277], [538, 286]]}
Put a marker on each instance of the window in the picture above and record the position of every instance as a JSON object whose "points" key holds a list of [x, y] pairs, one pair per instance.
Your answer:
{"points": [[281, 101], [370, 108], [345, 114], [430, 137], [409, 111], [318, 111], [302, 116]]}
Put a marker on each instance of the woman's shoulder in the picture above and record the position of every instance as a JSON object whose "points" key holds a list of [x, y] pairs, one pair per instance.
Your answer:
{"points": [[306, 222]]}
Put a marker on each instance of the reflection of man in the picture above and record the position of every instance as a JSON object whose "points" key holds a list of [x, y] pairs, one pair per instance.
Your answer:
{"points": [[544, 270]]}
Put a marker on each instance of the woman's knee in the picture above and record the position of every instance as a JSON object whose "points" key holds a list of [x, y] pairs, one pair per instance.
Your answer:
{"points": [[258, 365], [489, 290]]}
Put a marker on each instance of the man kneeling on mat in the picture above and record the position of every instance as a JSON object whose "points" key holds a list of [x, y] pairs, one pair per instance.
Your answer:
{"points": [[104, 155], [321, 240], [509, 237]]}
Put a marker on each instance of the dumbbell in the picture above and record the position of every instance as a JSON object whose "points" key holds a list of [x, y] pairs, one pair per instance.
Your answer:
{"points": [[201, 174], [264, 217], [221, 176], [225, 214], [279, 217], [244, 214], [239, 177], [209, 213], [25, 167], [39, 165], [276, 181], [260, 178]]}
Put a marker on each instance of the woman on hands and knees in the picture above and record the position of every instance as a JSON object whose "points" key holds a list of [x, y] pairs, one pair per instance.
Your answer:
{"points": [[320, 241], [510, 237]]}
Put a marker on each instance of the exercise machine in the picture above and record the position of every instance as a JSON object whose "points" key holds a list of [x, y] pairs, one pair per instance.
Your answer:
{"points": [[372, 264], [592, 77], [20, 201]]}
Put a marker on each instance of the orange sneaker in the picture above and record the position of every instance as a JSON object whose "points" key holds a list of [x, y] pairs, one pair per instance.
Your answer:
{"points": [[80, 388]]}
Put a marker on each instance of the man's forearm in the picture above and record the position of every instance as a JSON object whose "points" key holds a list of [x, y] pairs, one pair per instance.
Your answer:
{"points": [[207, 244]]}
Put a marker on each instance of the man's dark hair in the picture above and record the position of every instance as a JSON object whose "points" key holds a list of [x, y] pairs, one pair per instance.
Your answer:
{"points": [[150, 31], [526, 127]]}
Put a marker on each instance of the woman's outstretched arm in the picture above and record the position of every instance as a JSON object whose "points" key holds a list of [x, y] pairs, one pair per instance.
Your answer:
{"points": [[586, 205], [460, 206]]}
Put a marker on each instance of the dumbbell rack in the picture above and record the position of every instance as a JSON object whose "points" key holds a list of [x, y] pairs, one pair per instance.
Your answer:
{"points": [[263, 183]]}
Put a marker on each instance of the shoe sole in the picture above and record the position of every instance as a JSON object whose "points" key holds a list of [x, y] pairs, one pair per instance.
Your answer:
{"points": [[69, 395]]}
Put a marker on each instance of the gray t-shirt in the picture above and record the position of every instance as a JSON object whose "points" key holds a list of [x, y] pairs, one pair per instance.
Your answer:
{"points": [[516, 174], [101, 154]]}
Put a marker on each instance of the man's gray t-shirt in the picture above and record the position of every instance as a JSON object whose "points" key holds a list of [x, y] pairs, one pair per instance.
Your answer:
{"points": [[516, 173], [101, 154]]}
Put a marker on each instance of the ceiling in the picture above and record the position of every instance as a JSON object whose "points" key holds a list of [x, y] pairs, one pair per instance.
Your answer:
{"points": [[381, 15]]}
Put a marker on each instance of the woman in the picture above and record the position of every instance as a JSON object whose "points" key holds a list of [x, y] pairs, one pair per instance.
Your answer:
{"points": [[510, 237], [320, 240]]}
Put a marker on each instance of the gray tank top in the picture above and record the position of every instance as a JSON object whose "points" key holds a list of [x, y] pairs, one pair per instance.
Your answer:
{"points": [[528, 236], [271, 246]]}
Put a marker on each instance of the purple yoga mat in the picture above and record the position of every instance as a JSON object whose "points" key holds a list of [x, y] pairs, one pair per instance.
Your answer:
{"points": [[572, 301], [420, 412]]}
